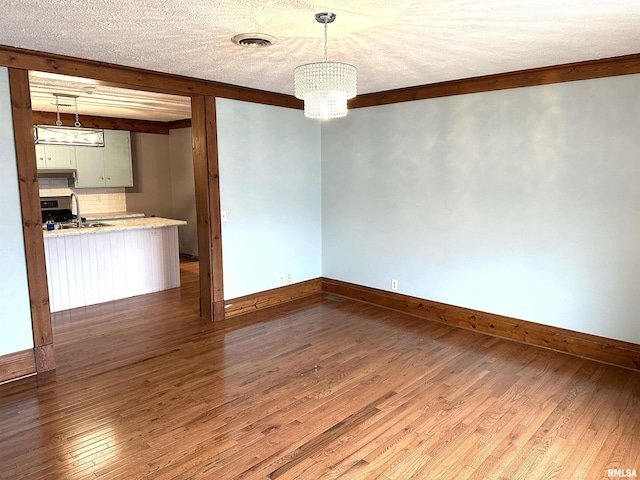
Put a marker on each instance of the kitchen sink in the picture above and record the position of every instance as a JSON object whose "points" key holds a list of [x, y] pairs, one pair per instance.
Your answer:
{"points": [[66, 226], [97, 224]]}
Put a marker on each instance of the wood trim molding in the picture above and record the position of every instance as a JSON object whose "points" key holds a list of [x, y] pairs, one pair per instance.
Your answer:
{"points": [[203, 214], [593, 347], [31, 216], [606, 67], [207, 186], [269, 298], [213, 181], [128, 77], [17, 365], [109, 123], [186, 123], [45, 358], [139, 79]]}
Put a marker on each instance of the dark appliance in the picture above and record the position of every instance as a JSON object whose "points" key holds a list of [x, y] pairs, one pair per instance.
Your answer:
{"points": [[57, 209]]}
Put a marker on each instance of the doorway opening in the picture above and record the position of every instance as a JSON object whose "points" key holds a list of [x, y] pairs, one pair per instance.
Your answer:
{"points": [[161, 161]]}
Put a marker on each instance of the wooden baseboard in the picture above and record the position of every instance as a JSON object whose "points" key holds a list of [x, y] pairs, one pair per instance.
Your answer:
{"points": [[16, 365], [269, 298], [45, 358], [597, 348]]}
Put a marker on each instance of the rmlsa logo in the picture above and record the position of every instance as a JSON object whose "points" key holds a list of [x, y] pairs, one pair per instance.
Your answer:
{"points": [[622, 473]]}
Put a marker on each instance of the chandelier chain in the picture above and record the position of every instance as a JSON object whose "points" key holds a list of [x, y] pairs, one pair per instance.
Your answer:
{"points": [[325, 38], [58, 121], [75, 101]]}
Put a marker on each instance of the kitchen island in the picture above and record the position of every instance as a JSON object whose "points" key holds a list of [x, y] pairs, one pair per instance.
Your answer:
{"points": [[121, 259]]}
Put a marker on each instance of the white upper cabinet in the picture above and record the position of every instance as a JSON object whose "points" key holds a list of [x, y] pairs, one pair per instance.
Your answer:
{"points": [[90, 166], [108, 166], [55, 156], [117, 166]]}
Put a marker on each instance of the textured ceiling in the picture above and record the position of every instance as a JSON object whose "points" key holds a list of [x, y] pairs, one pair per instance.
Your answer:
{"points": [[394, 44], [95, 99]]}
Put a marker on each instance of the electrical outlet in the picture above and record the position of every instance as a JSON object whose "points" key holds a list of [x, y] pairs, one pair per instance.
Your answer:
{"points": [[281, 279], [394, 284], [288, 278]]}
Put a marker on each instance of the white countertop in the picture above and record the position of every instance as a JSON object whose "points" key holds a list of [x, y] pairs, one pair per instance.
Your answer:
{"points": [[118, 225], [92, 217]]}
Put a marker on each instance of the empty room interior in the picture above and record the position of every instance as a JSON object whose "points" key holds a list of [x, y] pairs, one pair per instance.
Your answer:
{"points": [[290, 240]]}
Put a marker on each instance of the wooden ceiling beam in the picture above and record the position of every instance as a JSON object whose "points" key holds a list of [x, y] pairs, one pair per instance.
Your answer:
{"points": [[186, 123], [138, 79], [109, 123], [147, 80]]}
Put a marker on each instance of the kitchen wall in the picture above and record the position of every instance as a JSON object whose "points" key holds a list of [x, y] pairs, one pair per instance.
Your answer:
{"points": [[183, 195], [521, 202], [151, 193], [269, 161], [15, 320], [163, 181], [92, 200]]}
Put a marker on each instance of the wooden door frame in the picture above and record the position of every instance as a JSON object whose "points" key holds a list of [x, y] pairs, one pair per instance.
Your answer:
{"points": [[31, 220], [207, 185]]}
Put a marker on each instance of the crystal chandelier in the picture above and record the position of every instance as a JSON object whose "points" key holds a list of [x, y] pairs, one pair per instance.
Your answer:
{"points": [[325, 86]]}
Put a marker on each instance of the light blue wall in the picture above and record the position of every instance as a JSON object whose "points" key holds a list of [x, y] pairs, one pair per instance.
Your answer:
{"points": [[270, 188], [15, 316], [521, 202]]}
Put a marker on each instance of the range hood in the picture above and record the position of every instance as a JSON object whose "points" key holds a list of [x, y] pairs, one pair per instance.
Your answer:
{"points": [[56, 173]]}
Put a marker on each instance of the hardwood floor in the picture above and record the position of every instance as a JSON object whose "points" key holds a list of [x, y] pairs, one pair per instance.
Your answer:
{"points": [[144, 388]]}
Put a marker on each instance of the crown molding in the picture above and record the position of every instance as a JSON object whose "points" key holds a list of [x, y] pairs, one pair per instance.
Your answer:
{"points": [[570, 72], [129, 77]]}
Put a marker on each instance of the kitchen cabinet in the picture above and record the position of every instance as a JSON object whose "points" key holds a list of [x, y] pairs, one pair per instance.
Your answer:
{"points": [[55, 156], [108, 166]]}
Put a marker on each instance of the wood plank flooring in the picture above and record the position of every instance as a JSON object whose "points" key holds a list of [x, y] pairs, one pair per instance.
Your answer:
{"points": [[328, 389]]}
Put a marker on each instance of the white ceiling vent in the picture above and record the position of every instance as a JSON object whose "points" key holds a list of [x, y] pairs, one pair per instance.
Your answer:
{"points": [[254, 40]]}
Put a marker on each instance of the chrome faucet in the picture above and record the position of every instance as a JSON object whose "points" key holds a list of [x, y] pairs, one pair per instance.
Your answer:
{"points": [[78, 217]]}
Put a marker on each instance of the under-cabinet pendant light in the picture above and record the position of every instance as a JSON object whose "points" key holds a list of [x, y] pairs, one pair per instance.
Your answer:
{"points": [[325, 86], [73, 136]]}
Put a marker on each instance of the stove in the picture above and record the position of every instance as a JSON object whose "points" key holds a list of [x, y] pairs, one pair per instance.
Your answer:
{"points": [[56, 208]]}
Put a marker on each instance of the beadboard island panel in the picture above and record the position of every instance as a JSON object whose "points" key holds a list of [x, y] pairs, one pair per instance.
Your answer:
{"points": [[96, 265]]}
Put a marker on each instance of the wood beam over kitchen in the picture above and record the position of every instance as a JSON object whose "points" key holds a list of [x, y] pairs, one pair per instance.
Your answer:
{"points": [[31, 219], [207, 183]]}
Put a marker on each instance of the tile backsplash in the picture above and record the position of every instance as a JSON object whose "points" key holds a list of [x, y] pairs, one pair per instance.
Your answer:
{"points": [[92, 200]]}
